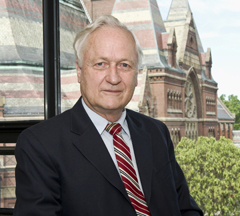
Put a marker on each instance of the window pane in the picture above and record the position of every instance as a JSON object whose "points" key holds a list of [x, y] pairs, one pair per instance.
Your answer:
{"points": [[72, 19], [7, 178], [21, 60]]}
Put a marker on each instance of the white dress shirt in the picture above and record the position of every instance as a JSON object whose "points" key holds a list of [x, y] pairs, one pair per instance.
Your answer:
{"points": [[100, 123]]}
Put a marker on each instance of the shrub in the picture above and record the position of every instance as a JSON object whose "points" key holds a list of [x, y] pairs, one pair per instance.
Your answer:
{"points": [[212, 170]]}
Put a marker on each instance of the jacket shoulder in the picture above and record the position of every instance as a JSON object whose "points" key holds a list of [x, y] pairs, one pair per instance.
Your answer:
{"points": [[145, 120], [52, 124]]}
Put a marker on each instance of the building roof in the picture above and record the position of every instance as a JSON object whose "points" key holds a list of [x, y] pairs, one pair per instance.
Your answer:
{"points": [[21, 55], [143, 18], [21, 31], [180, 17], [138, 95], [178, 9], [223, 112], [21, 38]]}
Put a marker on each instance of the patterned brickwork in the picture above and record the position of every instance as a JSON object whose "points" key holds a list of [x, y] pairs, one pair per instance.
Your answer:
{"points": [[180, 15], [142, 100], [21, 53], [23, 91], [70, 89], [178, 9], [144, 19], [22, 36]]}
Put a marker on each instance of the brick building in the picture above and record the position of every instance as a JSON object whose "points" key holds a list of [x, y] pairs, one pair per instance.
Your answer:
{"points": [[175, 87], [183, 91]]}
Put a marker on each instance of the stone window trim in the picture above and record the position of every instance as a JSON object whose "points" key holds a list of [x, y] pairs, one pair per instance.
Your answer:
{"points": [[191, 130], [174, 101], [211, 132], [175, 136], [210, 106]]}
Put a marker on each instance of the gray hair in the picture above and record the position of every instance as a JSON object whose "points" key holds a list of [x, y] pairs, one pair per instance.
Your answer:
{"points": [[105, 20]]}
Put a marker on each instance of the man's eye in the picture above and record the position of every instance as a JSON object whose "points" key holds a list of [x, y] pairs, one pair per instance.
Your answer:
{"points": [[101, 65], [124, 66]]}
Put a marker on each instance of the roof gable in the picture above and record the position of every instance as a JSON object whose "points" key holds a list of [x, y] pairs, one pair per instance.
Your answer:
{"points": [[223, 112], [21, 39], [188, 51], [209, 56]]}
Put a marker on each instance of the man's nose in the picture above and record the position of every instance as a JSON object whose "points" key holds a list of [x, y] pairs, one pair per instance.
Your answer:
{"points": [[113, 77]]}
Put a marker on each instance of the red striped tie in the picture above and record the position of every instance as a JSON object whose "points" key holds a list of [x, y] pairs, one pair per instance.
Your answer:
{"points": [[127, 170]]}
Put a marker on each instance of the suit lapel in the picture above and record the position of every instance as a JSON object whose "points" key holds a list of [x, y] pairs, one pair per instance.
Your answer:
{"points": [[88, 141], [143, 152]]}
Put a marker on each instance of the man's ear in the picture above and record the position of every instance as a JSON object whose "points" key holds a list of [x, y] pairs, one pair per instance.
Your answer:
{"points": [[79, 70]]}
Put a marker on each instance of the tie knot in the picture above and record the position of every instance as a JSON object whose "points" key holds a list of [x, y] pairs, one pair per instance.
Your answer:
{"points": [[114, 128]]}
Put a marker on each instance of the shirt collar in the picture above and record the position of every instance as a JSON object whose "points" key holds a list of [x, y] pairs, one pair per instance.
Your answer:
{"points": [[100, 122]]}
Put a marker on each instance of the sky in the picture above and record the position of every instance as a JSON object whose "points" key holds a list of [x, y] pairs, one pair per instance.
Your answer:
{"points": [[218, 24]]}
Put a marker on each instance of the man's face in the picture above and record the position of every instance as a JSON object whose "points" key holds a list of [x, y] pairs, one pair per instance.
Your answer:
{"points": [[108, 74]]}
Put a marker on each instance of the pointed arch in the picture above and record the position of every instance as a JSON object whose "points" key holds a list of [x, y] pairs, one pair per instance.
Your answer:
{"points": [[197, 89]]}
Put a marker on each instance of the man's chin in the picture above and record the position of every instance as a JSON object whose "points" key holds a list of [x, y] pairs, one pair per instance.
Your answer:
{"points": [[114, 107]]}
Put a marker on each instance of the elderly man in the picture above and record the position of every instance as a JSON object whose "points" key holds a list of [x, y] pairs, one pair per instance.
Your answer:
{"points": [[99, 158]]}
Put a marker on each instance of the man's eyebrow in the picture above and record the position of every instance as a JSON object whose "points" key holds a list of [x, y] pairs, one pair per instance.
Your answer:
{"points": [[100, 58], [128, 60], [131, 61]]}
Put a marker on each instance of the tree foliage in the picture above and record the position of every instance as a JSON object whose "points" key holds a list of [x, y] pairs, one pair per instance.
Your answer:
{"points": [[212, 170], [233, 104]]}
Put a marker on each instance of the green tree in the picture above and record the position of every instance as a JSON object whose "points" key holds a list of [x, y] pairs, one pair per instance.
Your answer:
{"points": [[212, 170], [233, 104]]}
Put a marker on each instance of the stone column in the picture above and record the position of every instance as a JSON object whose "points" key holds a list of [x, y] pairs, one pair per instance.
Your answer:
{"points": [[225, 130], [230, 131], [220, 130]]}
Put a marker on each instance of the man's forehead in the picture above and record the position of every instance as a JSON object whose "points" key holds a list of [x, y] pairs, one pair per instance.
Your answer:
{"points": [[114, 30], [111, 36]]}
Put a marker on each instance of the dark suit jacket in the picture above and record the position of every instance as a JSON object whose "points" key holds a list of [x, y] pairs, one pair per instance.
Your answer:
{"points": [[63, 168]]}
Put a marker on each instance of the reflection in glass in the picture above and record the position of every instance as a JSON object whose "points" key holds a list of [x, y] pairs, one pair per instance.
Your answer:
{"points": [[21, 60], [73, 18], [7, 179]]}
